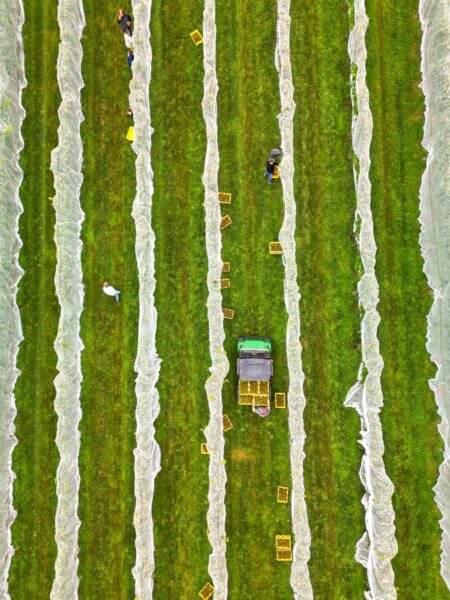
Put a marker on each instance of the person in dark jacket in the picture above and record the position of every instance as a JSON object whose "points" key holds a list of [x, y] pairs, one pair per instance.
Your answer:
{"points": [[130, 59], [270, 169], [124, 20]]}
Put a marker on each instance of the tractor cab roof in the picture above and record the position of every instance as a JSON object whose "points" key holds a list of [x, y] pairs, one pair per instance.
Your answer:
{"points": [[254, 345]]}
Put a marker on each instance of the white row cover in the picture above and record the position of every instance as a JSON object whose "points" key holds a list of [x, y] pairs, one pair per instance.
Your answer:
{"points": [[300, 581], [12, 82], [378, 545], [147, 454], [435, 231], [66, 163], [219, 369]]}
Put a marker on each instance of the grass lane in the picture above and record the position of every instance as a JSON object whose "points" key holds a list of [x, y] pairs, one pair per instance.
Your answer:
{"points": [[35, 458], [178, 150], [409, 417], [256, 450], [108, 330], [328, 259]]}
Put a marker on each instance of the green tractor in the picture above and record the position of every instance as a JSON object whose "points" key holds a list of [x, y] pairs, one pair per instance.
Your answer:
{"points": [[254, 373]]}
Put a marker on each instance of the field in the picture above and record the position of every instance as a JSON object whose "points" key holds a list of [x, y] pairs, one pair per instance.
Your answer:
{"points": [[182, 547]]}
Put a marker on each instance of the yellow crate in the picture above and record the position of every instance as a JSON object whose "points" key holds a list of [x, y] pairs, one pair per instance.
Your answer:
{"points": [[263, 388], [206, 592], [245, 399], [227, 424], [275, 248], [224, 198], [224, 284], [204, 448], [284, 555], [253, 387], [226, 221], [196, 37], [283, 541], [261, 401], [282, 494], [244, 387], [226, 267], [280, 400], [228, 313]]}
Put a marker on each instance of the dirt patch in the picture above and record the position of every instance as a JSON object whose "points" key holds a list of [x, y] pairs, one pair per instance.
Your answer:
{"points": [[240, 455]]}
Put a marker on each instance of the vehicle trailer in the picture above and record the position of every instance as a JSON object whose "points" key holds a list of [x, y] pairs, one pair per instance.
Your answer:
{"points": [[254, 373]]}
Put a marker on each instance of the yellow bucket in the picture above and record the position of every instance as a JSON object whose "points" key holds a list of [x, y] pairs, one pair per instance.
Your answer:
{"points": [[130, 134]]}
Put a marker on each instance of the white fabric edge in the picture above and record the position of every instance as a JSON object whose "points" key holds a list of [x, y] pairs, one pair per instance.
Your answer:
{"points": [[434, 237], [12, 114], [214, 431], [378, 546], [147, 453], [300, 581], [66, 165]]}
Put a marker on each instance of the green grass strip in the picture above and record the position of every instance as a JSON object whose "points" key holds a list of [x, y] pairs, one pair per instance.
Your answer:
{"points": [[108, 330], [178, 151], [328, 257], [35, 458], [256, 450], [409, 417]]}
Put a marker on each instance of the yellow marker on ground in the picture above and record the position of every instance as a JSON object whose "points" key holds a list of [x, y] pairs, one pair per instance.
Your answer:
{"points": [[224, 284], [228, 313], [204, 448], [226, 267], [196, 37]]}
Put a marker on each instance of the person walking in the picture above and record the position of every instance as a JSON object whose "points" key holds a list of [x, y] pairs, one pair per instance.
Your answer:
{"points": [[111, 291], [270, 169], [124, 20]]}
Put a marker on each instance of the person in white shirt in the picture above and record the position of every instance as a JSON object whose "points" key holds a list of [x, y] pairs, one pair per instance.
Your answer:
{"points": [[128, 39], [111, 291]]}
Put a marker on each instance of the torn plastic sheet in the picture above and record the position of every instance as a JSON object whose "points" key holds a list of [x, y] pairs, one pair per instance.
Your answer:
{"points": [[219, 369], [300, 581], [435, 236], [66, 163], [12, 82], [378, 546], [147, 455]]}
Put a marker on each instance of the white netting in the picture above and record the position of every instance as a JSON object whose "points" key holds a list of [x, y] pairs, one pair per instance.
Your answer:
{"points": [[296, 399], [378, 545], [12, 81], [435, 236], [147, 454], [214, 430], [66, 162]]}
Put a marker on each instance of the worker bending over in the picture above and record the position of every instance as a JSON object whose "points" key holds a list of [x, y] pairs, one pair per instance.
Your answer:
{"points": [[124, 20], [270, 169]]}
